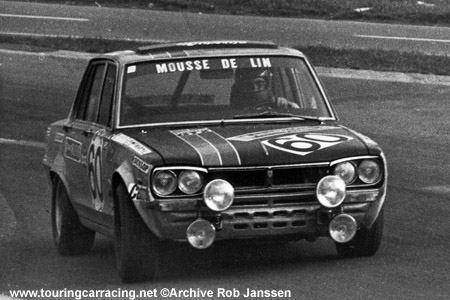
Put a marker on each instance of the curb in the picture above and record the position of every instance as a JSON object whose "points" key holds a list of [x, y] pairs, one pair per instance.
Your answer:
{"points": [[384, 76]]}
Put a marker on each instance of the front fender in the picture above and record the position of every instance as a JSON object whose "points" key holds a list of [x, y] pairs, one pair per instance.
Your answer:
{"points": [[137, 188]]}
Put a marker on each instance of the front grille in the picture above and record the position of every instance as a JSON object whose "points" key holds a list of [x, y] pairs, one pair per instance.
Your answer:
{"points": [[273, 199], [272, 177], [241, 178]]}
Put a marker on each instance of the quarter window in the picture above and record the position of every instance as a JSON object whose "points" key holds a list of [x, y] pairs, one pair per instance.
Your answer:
{"points": [[105, 111], [95, 94], [96, 99]]}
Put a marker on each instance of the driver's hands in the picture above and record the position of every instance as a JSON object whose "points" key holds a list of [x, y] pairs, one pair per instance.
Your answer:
{"points": [[285, 103]]}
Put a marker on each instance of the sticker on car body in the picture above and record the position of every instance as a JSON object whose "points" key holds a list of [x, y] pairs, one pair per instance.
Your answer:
{"points": [[259, 135], [94, 172], [72, 149], [213, 149], [133, 191], [305, 143], [131, 143], [141, 165]]}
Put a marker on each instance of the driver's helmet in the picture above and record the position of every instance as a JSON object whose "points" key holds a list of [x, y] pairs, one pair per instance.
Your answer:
{"points": [[252, 86], [253, 80]]}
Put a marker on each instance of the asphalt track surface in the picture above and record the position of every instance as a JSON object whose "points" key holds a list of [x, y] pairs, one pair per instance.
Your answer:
{"points": [[408, 119]]}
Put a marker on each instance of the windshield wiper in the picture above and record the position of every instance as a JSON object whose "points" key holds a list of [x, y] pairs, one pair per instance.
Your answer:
{"points": [[272, 114]]}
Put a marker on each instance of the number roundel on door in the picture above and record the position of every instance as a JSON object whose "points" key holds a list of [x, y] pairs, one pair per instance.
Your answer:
{"points": [[94, 172]]}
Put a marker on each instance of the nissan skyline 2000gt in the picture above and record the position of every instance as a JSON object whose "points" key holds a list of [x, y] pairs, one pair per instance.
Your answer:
{"points": [[203, 141]]}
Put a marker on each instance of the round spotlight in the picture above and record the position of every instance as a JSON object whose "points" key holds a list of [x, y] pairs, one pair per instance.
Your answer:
{"points": [[342, 228], [190, 182], [331, 191], [218, 195], [164, 182], [201, 234]]}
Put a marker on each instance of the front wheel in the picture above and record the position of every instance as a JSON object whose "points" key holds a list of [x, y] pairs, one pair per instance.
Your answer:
{"points": [[137, 251], [366, 241], [69, 235]]}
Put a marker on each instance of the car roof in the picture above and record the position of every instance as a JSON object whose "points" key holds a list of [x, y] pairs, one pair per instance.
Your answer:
{"points": [[194, 49]]}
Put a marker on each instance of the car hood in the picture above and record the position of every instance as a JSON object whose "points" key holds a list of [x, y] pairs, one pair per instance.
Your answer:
{"points": [[253, 145]]}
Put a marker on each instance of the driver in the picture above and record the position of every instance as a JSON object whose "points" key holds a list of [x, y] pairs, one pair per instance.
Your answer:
{"points": [[252, 88]]}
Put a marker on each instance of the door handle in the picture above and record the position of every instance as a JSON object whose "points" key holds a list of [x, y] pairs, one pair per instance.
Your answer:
{"points": [[67, 127], [87, 132]]}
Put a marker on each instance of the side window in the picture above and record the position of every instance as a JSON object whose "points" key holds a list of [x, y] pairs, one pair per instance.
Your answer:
{"points": [[105, 111], [90, 98]]}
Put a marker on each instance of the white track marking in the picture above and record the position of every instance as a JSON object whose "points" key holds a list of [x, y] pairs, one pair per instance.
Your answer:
{"points": [[439, 189], [402, 38], [44, 18], [22, 143], [8, 222], [4, 297]]}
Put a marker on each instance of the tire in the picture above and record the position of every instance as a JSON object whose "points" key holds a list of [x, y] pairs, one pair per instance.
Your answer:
{"points": [[69, 235], [137, 251], [366, 241]]}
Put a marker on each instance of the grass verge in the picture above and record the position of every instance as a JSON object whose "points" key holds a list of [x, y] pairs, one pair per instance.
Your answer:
{"points": [[436, 12], [376, 60]]}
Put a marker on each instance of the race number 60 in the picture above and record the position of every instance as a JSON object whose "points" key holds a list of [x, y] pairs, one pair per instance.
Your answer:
{"points": [[94, 173]]}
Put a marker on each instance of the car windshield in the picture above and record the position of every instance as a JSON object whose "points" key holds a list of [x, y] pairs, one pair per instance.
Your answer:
{"points": [[195, 90]]}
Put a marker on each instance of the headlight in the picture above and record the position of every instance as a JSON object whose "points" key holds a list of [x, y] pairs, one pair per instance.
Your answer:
{"points": [[164, 182], [218, 195], [331, 191], [369, 171], [190, 182], [346, 171]]}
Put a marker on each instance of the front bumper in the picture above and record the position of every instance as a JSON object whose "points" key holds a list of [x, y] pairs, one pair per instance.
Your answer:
{"points": [[293, 216]]}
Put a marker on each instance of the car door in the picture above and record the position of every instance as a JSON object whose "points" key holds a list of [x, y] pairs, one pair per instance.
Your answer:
{"points": [[91, 122]]}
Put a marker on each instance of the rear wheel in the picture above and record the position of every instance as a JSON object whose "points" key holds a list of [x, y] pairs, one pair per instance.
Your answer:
{"points": [[137, 250], [69, 235], [366, 241]]}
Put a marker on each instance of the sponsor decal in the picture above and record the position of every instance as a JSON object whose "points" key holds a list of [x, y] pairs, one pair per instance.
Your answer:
{"points": [[181, 66], [141, 165], [212, 148], [206, 64], [94, 160], [188, 132], [133, 191], [131, 143], [72, 149], [187, 65], [259, 135], [192, 44], [131, 69], [305, 143]]}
